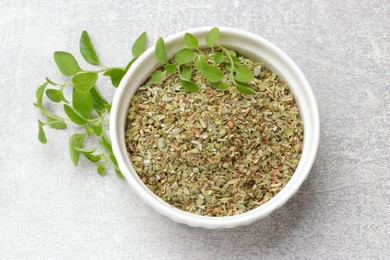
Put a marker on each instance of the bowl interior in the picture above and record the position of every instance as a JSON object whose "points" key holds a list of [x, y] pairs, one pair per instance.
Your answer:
{"points": [[250, 46]]}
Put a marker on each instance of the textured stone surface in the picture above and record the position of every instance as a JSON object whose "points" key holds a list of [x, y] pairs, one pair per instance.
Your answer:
{"points": [[52, 210]]}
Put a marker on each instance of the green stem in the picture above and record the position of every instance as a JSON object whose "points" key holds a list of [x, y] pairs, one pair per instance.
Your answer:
{"points": [[47, 113], [232, 67], [97, 71]]}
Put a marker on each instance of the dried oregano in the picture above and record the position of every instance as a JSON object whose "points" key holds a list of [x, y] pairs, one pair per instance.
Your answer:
{"points": [[216, 151]]}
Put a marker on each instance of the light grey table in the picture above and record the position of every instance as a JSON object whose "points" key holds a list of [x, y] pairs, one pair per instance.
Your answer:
{"points": [[52, 210]]}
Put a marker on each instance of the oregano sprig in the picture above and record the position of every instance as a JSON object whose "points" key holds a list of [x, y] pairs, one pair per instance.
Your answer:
{"points": [[86, 108], [187, 59]]}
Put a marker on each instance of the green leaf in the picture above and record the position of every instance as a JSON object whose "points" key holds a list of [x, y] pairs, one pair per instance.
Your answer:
{"points": [[83, 103], [52, 82], [99, 101], [41, 133], [244, 74], [108, 107], [119, 174], [212, 37], [245, 88], [97, 129], [189, 86], [219, 85], [86, 150], [55, 95], [39, 93], [228, 66], [75, 141], [116, 75], [212, 73], [83, 82], [218, 57], [157, 76], [139, 45], [89, 131], [191, 41], [87, 50], [186, 73], [232, 53], [161, 52], [235, 59], [113, 159], [92, 157], [66, 63], [106, 142], [101, 168], [56, 123], [201, 64], [129, 64], [74, 116], [184, 56], [170, 68]]}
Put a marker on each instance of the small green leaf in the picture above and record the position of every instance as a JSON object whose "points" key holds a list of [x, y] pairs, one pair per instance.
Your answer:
{"points": [[41, 133], [244, 74], [89, 131], [87, 50], [119, 174], [161, 52], [97, 129], [212, 73], [201, 63], [66, 63], [113, 159], [83, 103], [170, 68], [101, 168], [39, 93], [186, 73], [235, 59], [129, 64], [232, 53], [86, 150], [92, 157], [108, 107], [189, 86], [83, 82], [245, 88], [191, 41], [106, 142], [184, 56], [212, 37], [157, 76], [75, 141], [218, 57], [56, 123], [139, 45], [99, 101], [74, 116], [55, 95], [116, 75], [219, 85], [52, 82]]}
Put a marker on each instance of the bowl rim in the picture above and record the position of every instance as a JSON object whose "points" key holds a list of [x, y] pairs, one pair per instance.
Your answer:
{"points": [[206, 221]]}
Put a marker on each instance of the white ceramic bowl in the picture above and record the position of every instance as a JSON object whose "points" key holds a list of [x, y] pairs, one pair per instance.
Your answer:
{"points": [[246, 44]]}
